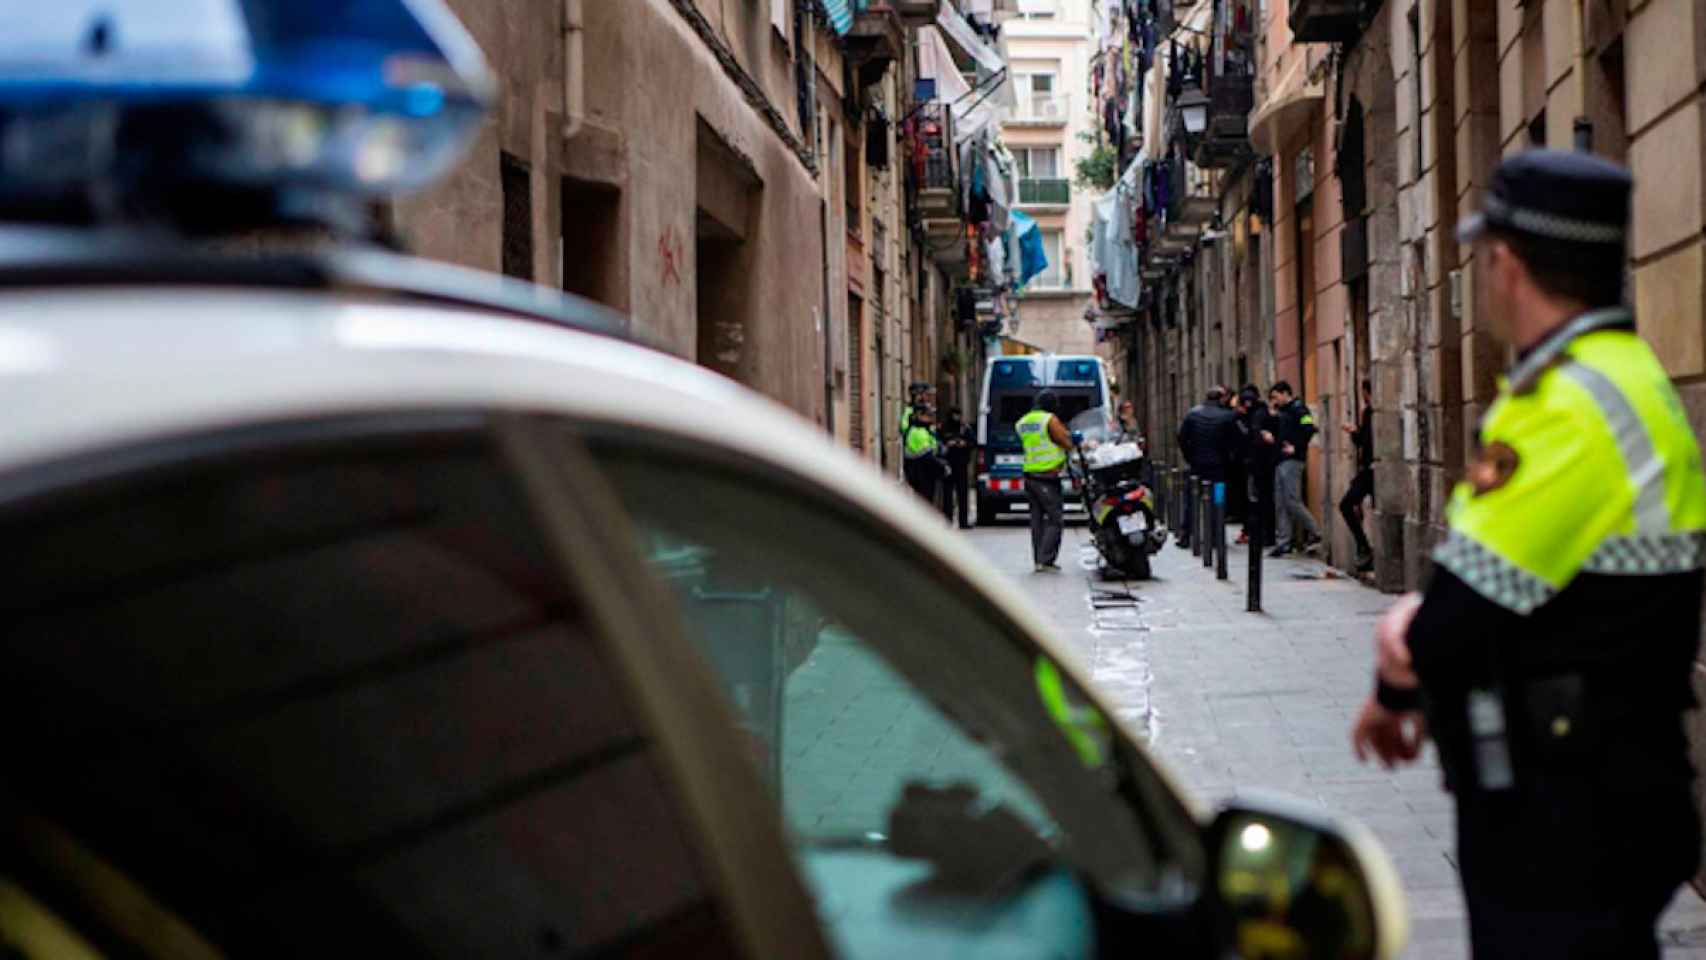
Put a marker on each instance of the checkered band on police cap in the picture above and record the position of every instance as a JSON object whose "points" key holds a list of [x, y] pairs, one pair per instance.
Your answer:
{"points": [[1555, 195]]}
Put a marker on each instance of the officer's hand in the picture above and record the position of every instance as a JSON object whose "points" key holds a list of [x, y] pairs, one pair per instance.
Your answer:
{"points": [[1267, 437], [1391, 642], [1393, 738], [1287, 449]]}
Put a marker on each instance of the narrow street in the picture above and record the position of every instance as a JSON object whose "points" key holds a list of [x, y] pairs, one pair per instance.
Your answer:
{"points": [[1233, 701]]}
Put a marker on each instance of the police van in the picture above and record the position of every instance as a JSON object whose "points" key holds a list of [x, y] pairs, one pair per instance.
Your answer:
{"points": [[1010, 388]]}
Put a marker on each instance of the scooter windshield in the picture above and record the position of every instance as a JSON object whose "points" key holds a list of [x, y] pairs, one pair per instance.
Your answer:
{"points": [[1100, 439]]}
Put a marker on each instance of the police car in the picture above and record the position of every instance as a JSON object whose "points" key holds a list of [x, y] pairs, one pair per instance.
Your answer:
{"points": [[355, 604]]}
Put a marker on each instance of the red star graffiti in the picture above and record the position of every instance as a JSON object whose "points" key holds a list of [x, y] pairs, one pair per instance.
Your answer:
{"points": [[672, 255]]}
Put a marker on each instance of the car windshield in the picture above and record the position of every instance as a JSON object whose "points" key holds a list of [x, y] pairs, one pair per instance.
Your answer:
{"points": [[890, 711]]}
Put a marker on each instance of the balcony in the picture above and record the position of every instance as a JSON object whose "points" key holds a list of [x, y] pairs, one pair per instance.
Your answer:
{"points": [[877, 37], [1226, 137], [1047, 192], [1326, 21], [1040, 110], [916, 13], [933, 163]]}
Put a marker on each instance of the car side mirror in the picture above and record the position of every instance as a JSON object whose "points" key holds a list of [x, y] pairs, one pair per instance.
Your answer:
{"points": [[1291, 882]]}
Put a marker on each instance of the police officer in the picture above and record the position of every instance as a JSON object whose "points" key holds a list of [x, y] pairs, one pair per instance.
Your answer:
{"points": [[921, 452], [1046, 441], [917, 393], [1550, 656]]}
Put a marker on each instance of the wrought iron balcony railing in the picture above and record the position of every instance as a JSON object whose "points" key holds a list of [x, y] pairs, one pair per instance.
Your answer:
{"points": [[1041, 190]]}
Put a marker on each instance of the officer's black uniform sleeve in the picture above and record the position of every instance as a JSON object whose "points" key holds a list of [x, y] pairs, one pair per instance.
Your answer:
{"points": [[1450, 639], [1452, 636]]}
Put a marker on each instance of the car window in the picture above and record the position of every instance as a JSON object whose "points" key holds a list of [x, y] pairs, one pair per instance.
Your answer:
{"points": [[881, 695], [331, 696]]}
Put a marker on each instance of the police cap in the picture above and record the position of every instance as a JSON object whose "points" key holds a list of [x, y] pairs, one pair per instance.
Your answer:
{"points": [[1557, 195]]}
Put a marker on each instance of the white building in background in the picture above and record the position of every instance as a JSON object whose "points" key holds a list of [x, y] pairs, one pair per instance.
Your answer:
{"points": [[1049, 52]]}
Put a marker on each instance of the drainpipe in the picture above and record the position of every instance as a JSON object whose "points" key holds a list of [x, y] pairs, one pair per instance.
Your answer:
{"points": [[1583, 126], [574, 69]]}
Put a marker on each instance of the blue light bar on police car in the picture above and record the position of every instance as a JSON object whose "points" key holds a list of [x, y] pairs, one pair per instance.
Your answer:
{"points": [[353, 97]]}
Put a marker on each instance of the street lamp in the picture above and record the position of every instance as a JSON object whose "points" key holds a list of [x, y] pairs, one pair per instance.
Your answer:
{"points": [[1193, 112]]}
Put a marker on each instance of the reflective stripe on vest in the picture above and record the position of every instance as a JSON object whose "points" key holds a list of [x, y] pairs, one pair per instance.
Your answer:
{"points": [[1042, 454], [1607, 476]]}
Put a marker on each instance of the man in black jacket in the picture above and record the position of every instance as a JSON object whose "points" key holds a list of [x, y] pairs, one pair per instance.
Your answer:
{"points": [[958, 440], [1207, 438], [1259, 460], [1296, 429], [1362, 485]]}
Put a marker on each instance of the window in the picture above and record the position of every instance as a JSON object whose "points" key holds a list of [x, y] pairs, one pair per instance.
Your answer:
{"points": [[1056, 273], [517, 185], [1037, 96], [851, 186], [1039, 9], [343, 666], [886, 703], [1038, 163]]}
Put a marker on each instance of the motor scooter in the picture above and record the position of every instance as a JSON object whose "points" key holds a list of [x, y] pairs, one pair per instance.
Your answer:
{"points": [[1121, 507]]}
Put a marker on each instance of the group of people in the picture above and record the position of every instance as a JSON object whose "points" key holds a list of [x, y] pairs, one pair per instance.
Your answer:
{"points": [[937, 455], [1259, 449]]}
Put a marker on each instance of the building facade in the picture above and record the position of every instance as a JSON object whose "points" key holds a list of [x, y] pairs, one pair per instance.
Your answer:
{"points": [[1048, 46], [738, 181], [1371, 130]]}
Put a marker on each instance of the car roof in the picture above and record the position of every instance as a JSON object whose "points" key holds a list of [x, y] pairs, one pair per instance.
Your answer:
{"points": [[89, 369]]}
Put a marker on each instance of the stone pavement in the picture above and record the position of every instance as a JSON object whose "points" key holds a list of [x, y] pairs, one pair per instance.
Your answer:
{"points": [[1234, 701]]}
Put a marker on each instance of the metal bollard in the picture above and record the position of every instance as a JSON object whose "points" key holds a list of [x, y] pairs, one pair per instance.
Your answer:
{"points": [[1253, 587], [1220, 531], [1185, 510], [1205, 521], [1160, 494]]}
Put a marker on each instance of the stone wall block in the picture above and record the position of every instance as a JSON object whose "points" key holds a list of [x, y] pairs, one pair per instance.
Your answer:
{"points": [[1670, 295], [1671, 33], [1508, 23], [1483, 361], [1391, 479], [1669, 203], [1560, 37], [1511, 117]]}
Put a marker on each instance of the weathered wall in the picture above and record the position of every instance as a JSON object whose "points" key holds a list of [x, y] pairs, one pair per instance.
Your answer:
{"points": [[460, 218], [652, 79], [1056, 324]]}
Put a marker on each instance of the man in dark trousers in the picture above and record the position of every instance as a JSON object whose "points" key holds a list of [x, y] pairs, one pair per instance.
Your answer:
{"points": [[1208, 438], [1238, 466], [1047, 443], [1550, 659], [957, 438], [1259, 459], [1295, 429], [1362, 485]]}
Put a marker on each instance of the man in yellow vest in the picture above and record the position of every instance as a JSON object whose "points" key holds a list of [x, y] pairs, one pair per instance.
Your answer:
{"points": [[1551, 655], [1045, 440]]}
